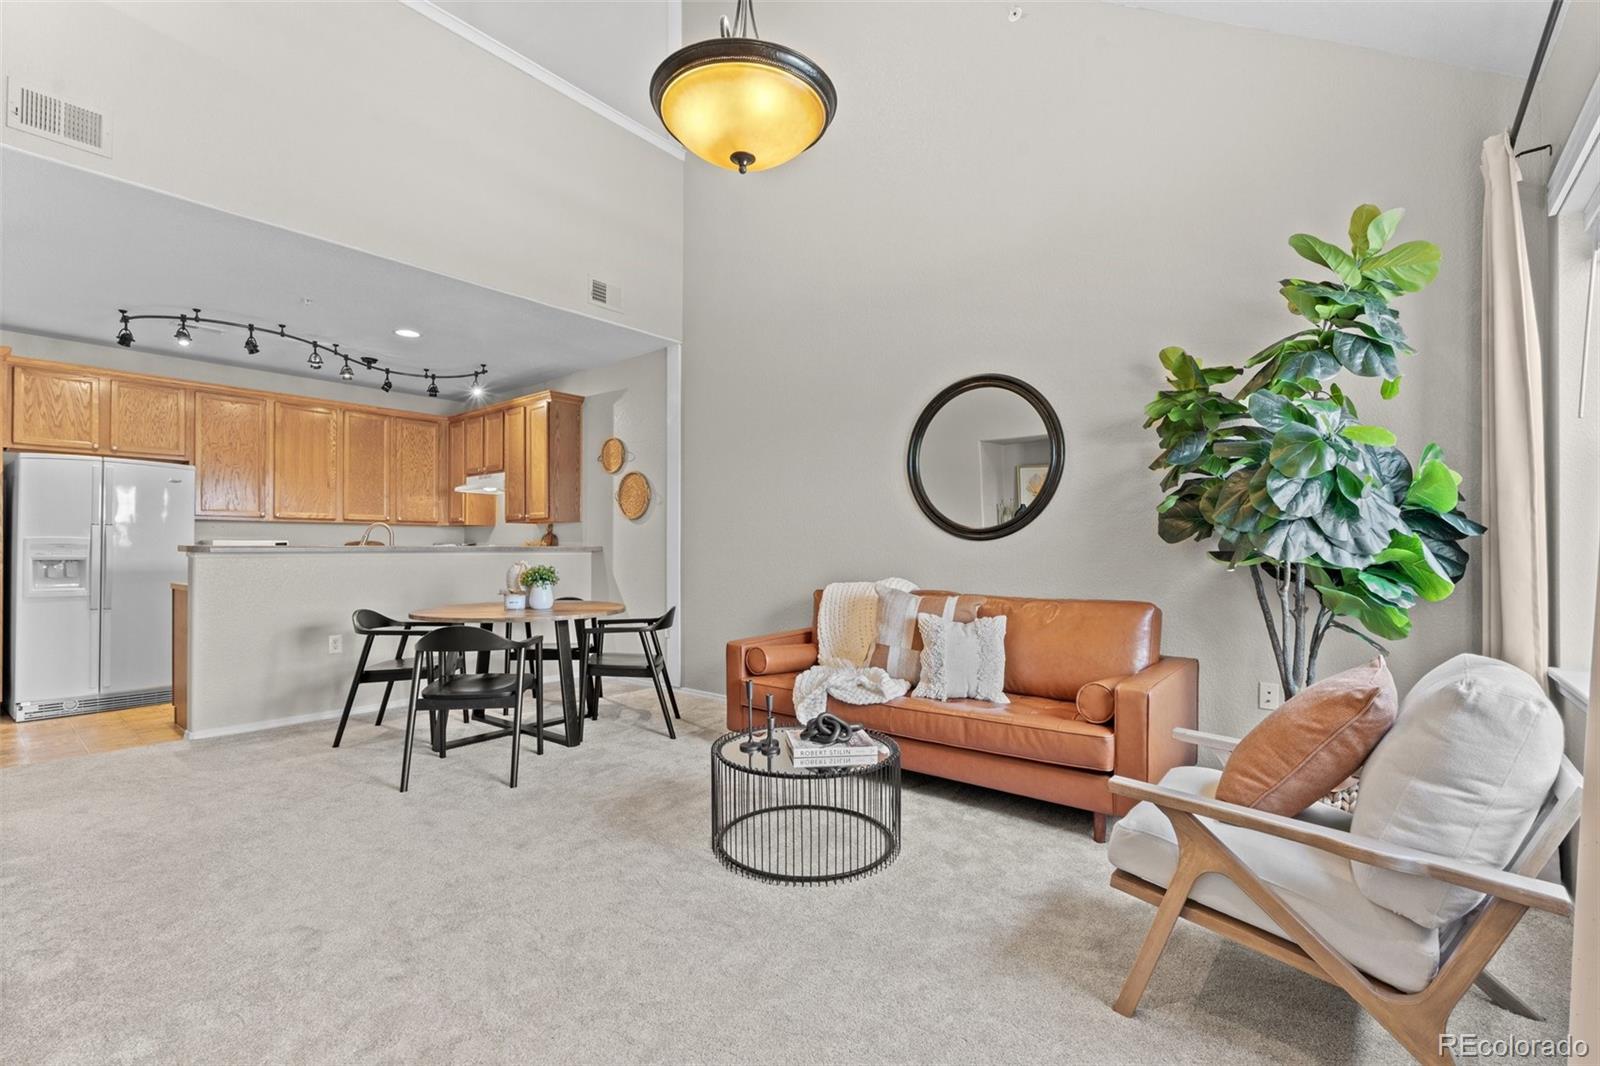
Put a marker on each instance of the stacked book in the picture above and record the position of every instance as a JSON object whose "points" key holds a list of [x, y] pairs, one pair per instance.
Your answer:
{"points": [[859, 750]]}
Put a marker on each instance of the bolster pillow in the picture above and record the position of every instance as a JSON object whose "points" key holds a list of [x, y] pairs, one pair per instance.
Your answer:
{"points": [[779, 658], [1097, 701]]}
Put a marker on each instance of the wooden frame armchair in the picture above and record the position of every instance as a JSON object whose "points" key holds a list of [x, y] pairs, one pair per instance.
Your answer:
{"points": [[1418, 1020]]}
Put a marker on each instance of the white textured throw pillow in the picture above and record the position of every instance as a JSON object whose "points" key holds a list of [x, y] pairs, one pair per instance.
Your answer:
{"points": [[1463, 774], [962, 660]]}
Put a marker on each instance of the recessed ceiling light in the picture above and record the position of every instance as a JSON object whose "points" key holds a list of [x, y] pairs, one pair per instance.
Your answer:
{"points": [[408, 334]]}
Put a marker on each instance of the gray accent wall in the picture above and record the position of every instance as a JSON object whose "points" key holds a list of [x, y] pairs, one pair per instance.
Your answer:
{"points": [[1056, 198]]}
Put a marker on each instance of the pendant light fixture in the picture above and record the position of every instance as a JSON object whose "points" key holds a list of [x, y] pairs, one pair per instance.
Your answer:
{"points": [[742, 103]]}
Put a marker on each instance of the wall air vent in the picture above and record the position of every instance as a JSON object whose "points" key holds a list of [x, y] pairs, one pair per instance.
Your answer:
{"points": [[32, 111], [605, 294]]}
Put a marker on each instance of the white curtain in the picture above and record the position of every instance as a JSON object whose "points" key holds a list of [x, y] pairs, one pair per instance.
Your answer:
{"points": [[1516, 592], [1585, 1022]]}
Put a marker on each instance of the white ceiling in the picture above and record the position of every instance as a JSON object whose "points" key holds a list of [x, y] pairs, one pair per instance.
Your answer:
{"points": [[77, 246], [1493, 35], [607, 48]]}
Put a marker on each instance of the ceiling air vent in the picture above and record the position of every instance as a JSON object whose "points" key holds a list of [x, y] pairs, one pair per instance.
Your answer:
{"points": [[605, 294], [56, 119]]}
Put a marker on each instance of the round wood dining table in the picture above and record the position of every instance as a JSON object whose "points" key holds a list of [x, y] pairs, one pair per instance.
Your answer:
{"points": [[564, 615]]}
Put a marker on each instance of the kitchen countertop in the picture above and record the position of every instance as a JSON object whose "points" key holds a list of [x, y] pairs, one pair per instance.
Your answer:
{"points": [[399, 549]]}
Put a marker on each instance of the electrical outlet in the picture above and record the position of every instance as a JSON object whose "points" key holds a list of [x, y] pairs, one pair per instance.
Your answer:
{"points": [[335, 643], [1269, 695]]}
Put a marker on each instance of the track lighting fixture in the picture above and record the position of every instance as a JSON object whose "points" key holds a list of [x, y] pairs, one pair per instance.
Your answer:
{"points": [[316, 359]]}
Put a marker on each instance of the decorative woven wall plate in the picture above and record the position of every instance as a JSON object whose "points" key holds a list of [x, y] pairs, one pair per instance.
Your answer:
{"points": [[633, 495], [612, 453]]}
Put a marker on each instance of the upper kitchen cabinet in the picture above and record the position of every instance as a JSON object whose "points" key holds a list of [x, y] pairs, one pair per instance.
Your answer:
{"points": [[55, 409], [464, 509], [419, 458], [367, 451], [305, 462], [494, 442], [548, 487], [232, 455], [484, 442], [147, 419]]}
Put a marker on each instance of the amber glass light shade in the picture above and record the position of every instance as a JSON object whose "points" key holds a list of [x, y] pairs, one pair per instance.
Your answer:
{"points": [[739, 99]]}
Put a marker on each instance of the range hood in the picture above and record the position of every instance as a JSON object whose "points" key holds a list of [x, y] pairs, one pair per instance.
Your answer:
{"points": [[484, 485]]}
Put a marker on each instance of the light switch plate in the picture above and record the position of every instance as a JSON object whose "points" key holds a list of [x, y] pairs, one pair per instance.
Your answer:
{"points": [[1269, 695], [335, 643]]}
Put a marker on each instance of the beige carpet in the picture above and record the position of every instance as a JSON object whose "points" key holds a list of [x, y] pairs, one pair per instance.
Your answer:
{"points": [[265, 898]]}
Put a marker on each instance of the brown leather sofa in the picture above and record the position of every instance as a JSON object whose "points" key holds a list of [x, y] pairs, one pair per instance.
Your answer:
{"points": [[1091, 696]]}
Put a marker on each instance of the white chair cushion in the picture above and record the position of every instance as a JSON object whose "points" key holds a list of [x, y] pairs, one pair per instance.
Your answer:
{"points": [[1462, 774], [1318, 887]]}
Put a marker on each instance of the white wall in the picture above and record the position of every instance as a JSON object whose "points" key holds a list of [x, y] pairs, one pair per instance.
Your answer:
{"points": [[1056, 198], [626, 400], [368, 125]]}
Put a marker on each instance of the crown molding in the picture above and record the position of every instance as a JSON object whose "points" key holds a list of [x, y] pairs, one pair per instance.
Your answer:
{"points": [[470, 33]]}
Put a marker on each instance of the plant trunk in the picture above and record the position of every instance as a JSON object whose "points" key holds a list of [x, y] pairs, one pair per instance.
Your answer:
{"points": [[1296, 640]]}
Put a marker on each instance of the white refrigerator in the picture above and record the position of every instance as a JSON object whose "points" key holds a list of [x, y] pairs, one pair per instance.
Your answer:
{"points": [[92, 550]]}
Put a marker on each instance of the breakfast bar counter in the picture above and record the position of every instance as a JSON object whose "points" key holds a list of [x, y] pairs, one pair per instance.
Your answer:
{"points": [[270, 641]]}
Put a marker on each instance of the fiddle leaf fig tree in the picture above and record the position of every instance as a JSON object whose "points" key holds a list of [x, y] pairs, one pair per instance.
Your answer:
{"points": [[1336, 526]]}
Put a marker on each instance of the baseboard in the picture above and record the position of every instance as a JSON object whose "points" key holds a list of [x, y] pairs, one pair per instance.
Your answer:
{"points": [[700, 692], [280, 723], [372, 709]]}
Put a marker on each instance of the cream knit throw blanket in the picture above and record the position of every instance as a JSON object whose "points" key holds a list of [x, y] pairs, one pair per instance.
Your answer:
{"points": [[847, 628]]}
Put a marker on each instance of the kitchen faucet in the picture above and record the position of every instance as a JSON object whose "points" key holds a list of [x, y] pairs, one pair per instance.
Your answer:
{"points": [[366, 533]]}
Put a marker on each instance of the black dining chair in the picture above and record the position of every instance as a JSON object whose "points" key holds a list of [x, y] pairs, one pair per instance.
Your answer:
{"points": [[373, 625], [439, 688], [599, 663]]}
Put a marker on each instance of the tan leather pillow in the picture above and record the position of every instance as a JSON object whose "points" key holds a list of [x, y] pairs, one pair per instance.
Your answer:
{"points": [[1097, 701], [779, 658], [1314, 741]]}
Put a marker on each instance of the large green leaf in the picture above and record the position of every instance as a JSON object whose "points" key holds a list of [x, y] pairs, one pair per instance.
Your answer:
{"points": [[1434, 488], [1318, 363], [1368, 435], [1234, 507], [1380, 619], [1386, 588], [1380, 229], [1361, 354], [1360, 228], [1408, 267], [1335, 259], [1183, 521], [1300, 451], [1408, 554], [1292, 541], [1299, 497], [1351, 484]]}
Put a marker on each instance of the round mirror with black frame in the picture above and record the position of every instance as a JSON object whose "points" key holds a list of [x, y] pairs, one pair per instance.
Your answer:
{"points": [[985, 456]]}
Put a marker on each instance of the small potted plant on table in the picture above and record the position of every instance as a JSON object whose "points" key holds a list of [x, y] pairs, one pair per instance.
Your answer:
{"points": [[540, 581]]}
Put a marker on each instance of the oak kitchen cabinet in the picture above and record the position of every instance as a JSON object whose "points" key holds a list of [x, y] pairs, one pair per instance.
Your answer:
{"points": [[305, 462], [232, 455], [544, 477], [366, 467], [419, 458], [275, 457], [56, 409], [148, 419]]}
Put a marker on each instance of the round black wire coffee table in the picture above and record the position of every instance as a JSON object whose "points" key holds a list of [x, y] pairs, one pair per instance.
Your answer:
{"points": [[777, 822]]}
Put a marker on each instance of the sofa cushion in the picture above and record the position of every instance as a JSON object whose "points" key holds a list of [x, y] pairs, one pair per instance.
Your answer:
{"points": [[1462, 774], [962, 660], [1029, 727], [1296, 754], [779, 658], [1055, 647], [1320, 888], [899, 647]]}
